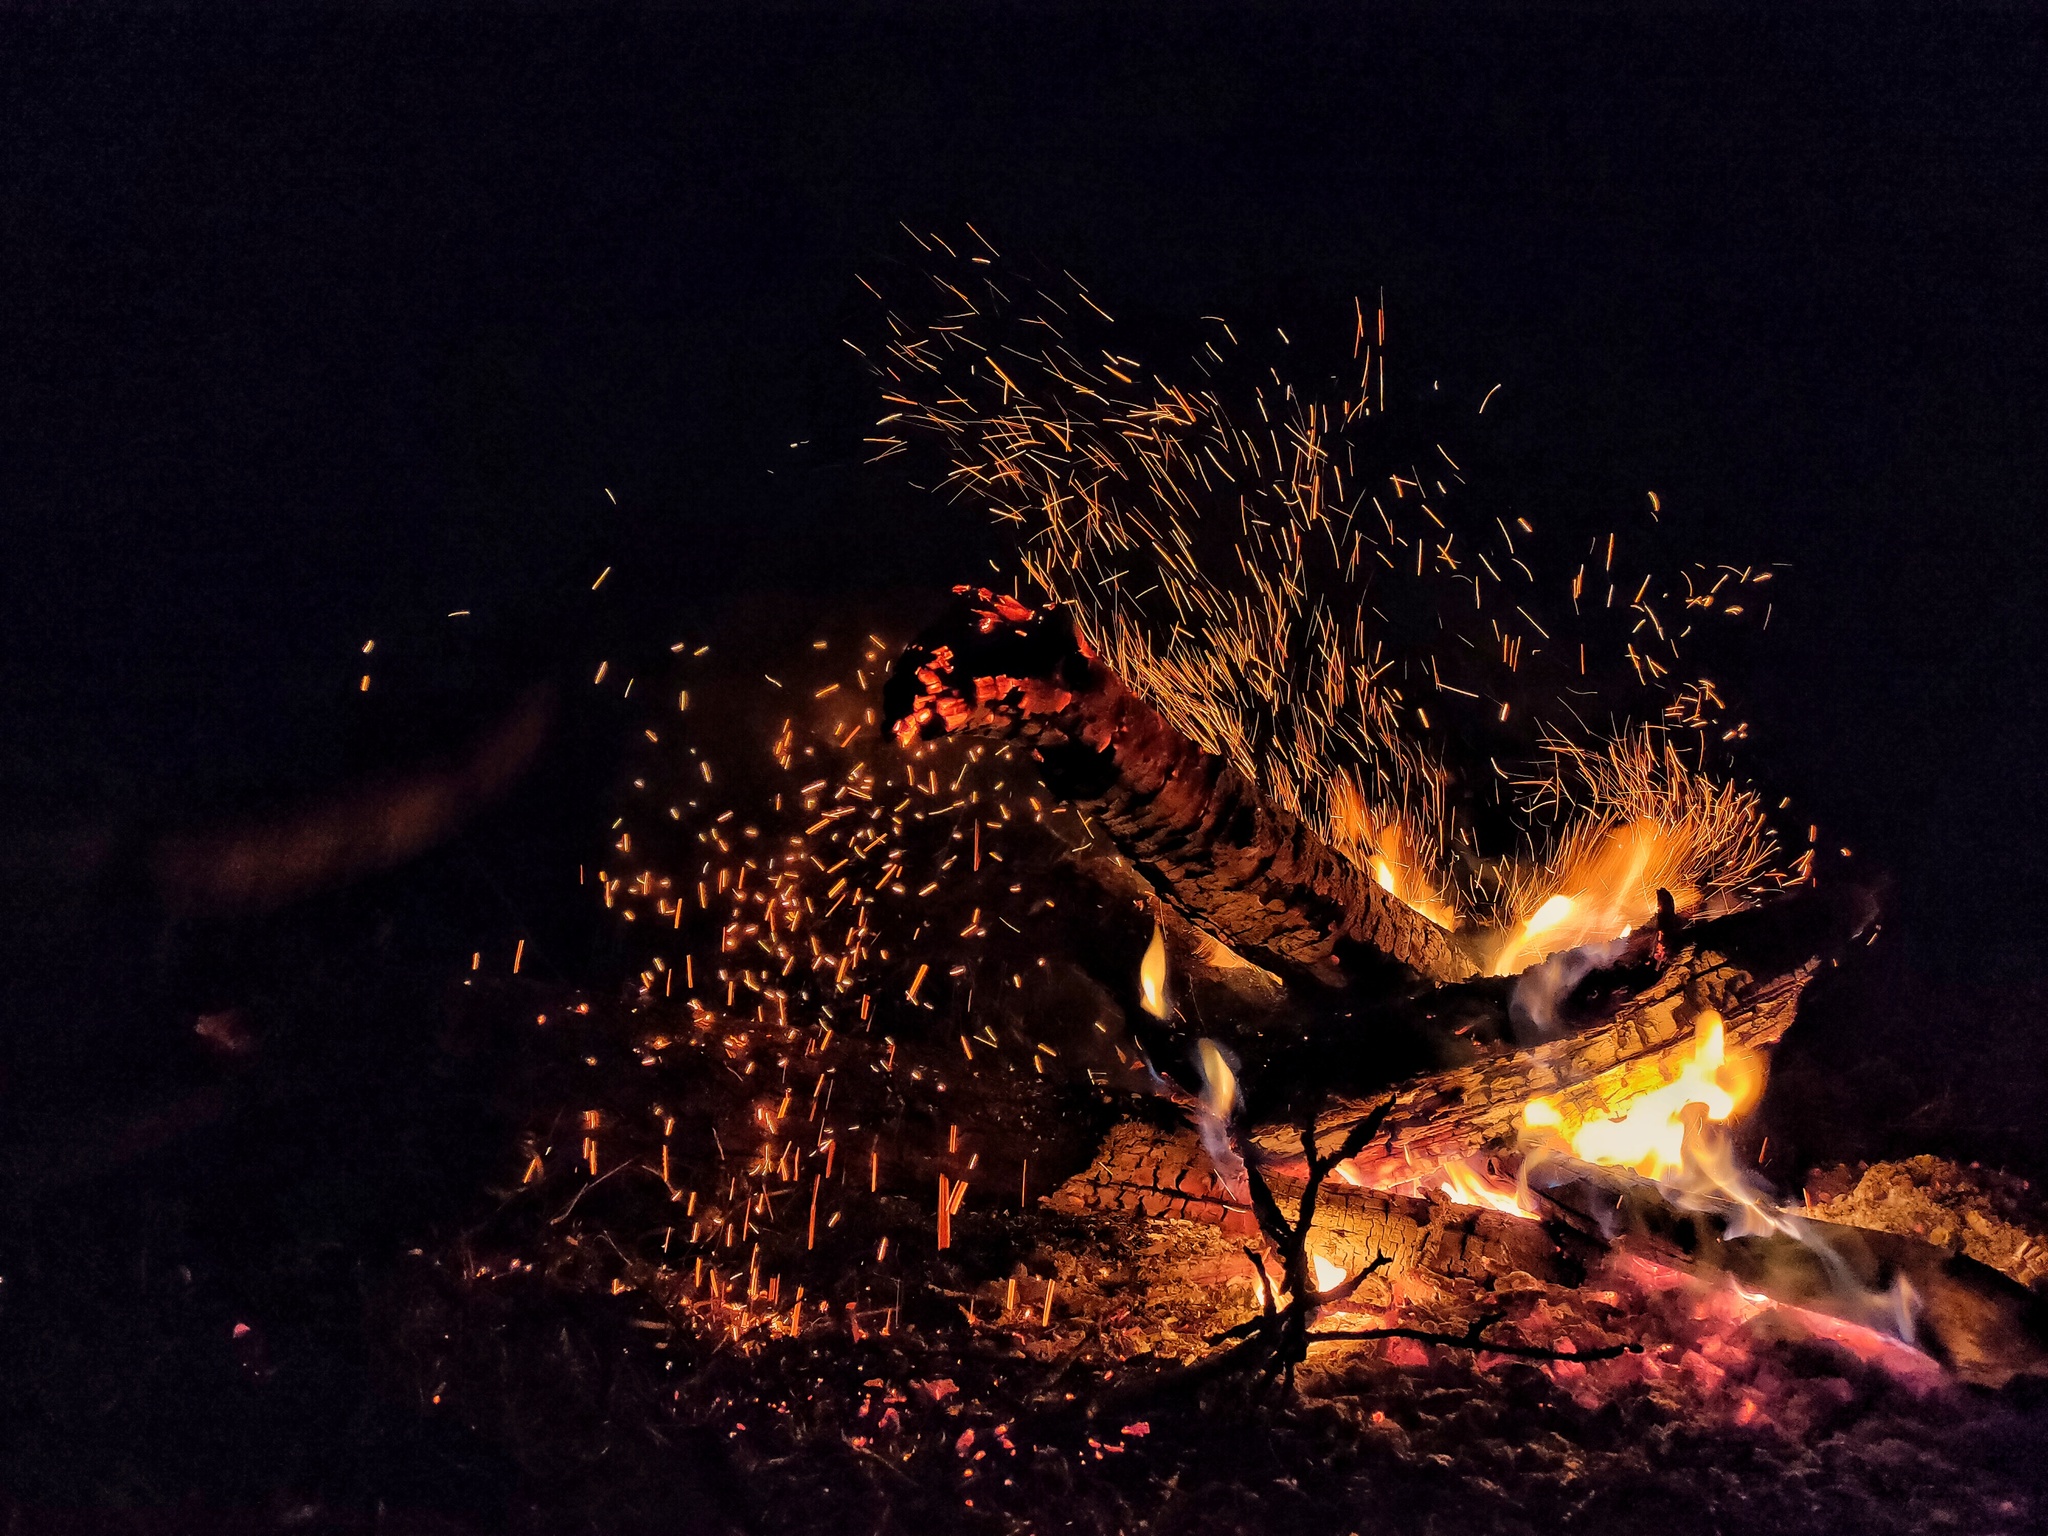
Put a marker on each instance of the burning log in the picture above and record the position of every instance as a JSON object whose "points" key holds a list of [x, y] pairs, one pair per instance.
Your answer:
{"points": [[1249, 872], [1424, 1241], [1983, 1326], [1444, 1119], [1407, 1205], [1476, 1110]]}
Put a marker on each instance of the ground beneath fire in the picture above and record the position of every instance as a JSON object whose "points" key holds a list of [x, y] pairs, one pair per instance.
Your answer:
{"points": [[949, 1395], [211, 1328]]}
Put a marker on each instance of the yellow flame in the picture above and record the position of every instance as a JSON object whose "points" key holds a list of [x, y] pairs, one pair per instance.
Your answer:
{"points": [[1465, 1185], [1328, 1276], [1152, 975], [1384, 850], [1650, 1135], [1609, 891], [1397, 872], [1548, 916], [1219, 1083]]}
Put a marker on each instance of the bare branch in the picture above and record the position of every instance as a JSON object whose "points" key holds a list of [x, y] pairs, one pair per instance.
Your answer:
{"points": [[1469, 1340]]}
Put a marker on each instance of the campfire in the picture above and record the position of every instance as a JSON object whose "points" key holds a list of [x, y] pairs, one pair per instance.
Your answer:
{"points": [[1170, 980]]}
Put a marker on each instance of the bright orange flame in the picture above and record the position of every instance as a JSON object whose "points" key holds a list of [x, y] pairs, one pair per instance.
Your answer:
{"points": [[1397, 872], [1464, 1185], [1327, 1275], [1608, 892], [1384, 851], [1649, 1135], [1152, 975]]}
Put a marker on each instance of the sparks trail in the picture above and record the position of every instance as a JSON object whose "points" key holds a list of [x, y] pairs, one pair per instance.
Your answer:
{"points": [[1303, 586], [803, 898]]}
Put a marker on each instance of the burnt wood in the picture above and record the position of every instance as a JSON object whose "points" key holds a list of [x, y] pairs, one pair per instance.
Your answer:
{"points": [[1428, 1243], [1251, 874], [1474, 1109]]}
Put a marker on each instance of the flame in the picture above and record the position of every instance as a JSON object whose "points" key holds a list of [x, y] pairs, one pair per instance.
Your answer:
{"points": [[1609, 891], [1152, 975], [1399, 873], [1219, 1083], [1327, 1276], [1651, 1133], [1465, 1185], [1386, 851], [1548, 916]]}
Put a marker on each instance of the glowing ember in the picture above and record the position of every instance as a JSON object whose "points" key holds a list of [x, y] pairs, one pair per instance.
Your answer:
{"points": [[1650, 1134], [1327, 1276]]}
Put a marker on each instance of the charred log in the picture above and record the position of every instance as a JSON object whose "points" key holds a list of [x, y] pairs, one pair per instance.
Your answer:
{"points": [[1466, 1055], [1985, 1328], [1427, 1243], [1251, 874], [1475, 1109]]}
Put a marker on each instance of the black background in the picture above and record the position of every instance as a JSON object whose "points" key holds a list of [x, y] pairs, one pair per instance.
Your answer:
{"points": [[314, 328]]}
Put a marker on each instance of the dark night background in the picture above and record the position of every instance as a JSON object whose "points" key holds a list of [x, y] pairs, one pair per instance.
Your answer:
{"points": [[314, 329]]}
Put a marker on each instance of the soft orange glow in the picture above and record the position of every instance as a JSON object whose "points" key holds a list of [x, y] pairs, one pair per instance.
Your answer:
{"points": [[1152, 975], [1606, 892], [1650, 1132]]}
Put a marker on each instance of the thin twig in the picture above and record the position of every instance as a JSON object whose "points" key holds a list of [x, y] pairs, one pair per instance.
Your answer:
{"points": [[1480, 1346]]}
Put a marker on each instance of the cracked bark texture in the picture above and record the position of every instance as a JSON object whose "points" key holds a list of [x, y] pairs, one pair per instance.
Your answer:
{"points": [[1475, 1110], [1248, 872], [1431, 1244]]}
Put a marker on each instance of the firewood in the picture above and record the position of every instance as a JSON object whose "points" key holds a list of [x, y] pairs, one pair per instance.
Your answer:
{"points": [[1249, 872], [1984, 1327], [1429, 1243], [1475, 1110]]}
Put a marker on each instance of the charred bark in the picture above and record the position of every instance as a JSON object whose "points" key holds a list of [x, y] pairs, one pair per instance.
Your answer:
{"points": [[1427, 1242], [1475, 1109], [1251, 874]]}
